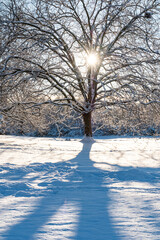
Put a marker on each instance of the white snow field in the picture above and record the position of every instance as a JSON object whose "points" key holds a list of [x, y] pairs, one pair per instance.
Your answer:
{"points": [[57, 189]]}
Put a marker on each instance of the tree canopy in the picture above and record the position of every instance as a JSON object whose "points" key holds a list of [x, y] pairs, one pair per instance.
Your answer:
{"points": [[85, 54]]}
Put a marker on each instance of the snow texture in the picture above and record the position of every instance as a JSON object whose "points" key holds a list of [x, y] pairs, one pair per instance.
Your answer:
{"points": [[63, 189]]}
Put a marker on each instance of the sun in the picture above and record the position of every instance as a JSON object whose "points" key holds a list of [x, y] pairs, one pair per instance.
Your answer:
{"points": [[92, 59]]}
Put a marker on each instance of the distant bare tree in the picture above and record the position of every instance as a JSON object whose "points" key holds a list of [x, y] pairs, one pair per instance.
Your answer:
{"points": [[85, 54]]}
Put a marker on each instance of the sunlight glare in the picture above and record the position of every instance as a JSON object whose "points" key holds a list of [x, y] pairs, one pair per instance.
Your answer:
{"points": [[92, 59]]}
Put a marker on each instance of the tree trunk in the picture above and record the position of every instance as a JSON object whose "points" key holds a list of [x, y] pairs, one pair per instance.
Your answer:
{"points": [[87, 118]]}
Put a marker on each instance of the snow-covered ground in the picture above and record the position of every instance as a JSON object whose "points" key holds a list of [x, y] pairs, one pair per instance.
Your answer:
{"points": [[58, 189]]}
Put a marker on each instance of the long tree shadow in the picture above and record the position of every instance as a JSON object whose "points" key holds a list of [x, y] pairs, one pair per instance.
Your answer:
{"points": [[94, 220], [83, 185]]}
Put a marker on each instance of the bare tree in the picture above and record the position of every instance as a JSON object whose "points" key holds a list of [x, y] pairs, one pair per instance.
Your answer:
{"points": [[85, 54]]}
